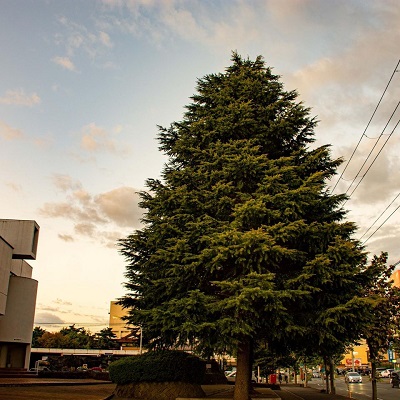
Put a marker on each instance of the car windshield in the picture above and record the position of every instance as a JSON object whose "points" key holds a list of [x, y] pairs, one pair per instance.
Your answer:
{"points": [[353, 373]]}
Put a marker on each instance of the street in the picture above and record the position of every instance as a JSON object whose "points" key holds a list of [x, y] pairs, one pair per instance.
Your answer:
{"points": [[361, 391]]}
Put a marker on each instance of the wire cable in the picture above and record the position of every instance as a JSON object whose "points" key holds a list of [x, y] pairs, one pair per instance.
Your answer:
{"points": [[380, 226], [369, 122], [373, 148], [383, 212], [373, 161]]}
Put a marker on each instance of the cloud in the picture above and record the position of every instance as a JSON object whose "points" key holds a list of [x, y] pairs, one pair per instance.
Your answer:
{"points": [[95, 216], [85, 229], [66, 238], [104, 38], [46, 318], [115, 203], [76, 38], [14, 187], [62, 302], [7, 132], [65, 182], [19, 98], [373, 165], [95, 138], [65, 62], [335, 83], [193, 22]]}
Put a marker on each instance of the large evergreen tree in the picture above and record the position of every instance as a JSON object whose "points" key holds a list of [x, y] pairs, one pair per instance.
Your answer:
{"points": [[241, 234]]}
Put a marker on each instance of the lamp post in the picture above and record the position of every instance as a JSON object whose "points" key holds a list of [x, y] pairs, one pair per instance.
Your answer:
{"points": [[141, 340], [353, 353]]}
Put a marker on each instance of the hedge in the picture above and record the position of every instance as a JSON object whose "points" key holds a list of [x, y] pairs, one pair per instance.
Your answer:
{"points": [[158, 366]]}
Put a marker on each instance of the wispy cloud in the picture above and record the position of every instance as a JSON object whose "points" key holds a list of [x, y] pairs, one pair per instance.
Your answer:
{"points": [[7, 132], [76, 38], [95, 216], [66, 238], [62, 302], [65, 62], [20, 98], [96, 139], [14, 187]]}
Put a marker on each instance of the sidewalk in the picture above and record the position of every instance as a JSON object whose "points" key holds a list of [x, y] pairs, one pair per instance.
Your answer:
{"points": [[51, 389], [91, 389]]}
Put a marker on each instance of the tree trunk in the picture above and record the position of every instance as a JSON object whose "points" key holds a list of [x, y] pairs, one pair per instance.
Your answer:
{"points": [[326, 375], [373, 380], [332, 376], [243, 371]]}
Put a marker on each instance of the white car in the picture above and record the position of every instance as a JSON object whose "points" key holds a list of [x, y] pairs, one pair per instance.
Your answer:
{"points": [[386, 373], [231, 376], [353, 377]]}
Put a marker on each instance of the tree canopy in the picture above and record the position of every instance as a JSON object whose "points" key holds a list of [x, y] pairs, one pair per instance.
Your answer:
{"points": [[242, 239], [74, 338]]}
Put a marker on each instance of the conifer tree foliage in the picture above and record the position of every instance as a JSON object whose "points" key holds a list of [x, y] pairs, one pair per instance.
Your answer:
{"points": [[241, 232]]}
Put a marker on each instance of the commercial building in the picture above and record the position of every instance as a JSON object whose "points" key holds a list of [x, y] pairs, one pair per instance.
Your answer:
{"points": [[117, 324], [358, 356], [128, 336], [18, 242]]}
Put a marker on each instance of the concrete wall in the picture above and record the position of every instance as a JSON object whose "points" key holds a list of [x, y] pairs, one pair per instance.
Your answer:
{"points": [[5, 267], [21, 268], [22, 235], [18, 241], [17, 323]]}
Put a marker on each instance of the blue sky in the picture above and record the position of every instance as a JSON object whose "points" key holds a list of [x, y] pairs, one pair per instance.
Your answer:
{"points": [[85, 83]]}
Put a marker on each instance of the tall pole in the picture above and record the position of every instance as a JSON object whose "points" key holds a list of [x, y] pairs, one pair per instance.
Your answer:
{"points": [[141, 340]]}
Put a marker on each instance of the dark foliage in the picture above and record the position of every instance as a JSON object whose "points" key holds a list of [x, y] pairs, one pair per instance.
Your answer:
{"points": [[158, 366]]}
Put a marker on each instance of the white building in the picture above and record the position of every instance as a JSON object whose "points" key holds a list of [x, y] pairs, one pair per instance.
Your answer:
{"points": [[18, 242]]}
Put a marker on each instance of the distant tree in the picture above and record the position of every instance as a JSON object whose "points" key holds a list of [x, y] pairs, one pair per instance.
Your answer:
{"points": [[77, 338], [55, 340], [105, 339], [382, 313], [74, 338], [240, 232], [38, 332]]}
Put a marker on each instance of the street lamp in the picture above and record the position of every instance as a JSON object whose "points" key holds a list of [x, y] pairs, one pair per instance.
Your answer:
{"points": [[141, 340], [353, 353]]}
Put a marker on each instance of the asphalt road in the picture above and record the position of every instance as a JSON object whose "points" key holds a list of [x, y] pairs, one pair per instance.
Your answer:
{"points": [[362, 391]]}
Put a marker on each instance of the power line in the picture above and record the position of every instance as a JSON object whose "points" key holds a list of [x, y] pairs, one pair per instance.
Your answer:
{"points": [[373, 148], [383, 212], [380, 226], [373, 161], [369, 122]]}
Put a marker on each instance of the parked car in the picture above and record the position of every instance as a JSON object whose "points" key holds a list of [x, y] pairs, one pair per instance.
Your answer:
{"points": [[231, 376], [353, 377], [386, 373], [379, 370], [365, 371]]}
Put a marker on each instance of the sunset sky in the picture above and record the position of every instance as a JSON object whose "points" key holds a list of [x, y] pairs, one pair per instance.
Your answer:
{"points": [[85, 83]]}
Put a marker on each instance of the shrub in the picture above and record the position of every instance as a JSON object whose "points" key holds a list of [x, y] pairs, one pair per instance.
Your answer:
{"points": [[158, 366]]}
